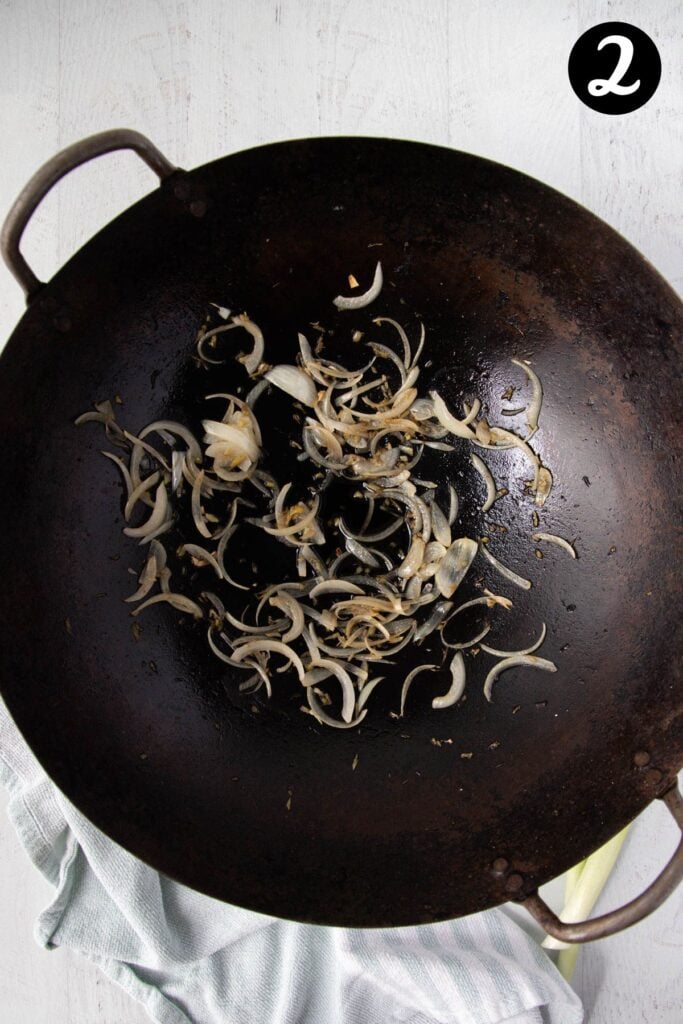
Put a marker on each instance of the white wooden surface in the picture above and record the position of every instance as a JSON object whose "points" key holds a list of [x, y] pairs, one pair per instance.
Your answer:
{"points": [[205, 78]]}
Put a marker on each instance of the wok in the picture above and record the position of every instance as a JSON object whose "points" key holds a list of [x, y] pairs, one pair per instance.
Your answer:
{"points": [[253, 802]]}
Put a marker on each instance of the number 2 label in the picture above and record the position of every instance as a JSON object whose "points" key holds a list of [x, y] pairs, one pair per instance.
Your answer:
{"points": [[602, 86]]}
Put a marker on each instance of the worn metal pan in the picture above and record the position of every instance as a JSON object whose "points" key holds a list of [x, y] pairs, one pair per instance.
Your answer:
{"points": [[144, 736]]}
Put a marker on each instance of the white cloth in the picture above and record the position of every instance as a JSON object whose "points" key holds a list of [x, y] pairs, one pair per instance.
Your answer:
{"points": [[193, 960]]}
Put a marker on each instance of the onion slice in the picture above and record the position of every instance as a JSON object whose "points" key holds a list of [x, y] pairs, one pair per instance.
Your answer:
{"points": [[137, 493], [335, 587], [177, 601], [408, 680], [157, 518], [125, 472], [457, 687], [552, 538], [527, 660], [453, 504], [200, 553], [514, 654], [358, 301], [319, 712], [253, 360], [147, 579], [504, 570], [533, 409], [293, 382], [454, 565], [348, 693], [448, 420], [277, 647], [487, 477]]}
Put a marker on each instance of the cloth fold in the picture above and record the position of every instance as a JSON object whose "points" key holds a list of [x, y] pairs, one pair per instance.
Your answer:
{"points": [[190, 959]]}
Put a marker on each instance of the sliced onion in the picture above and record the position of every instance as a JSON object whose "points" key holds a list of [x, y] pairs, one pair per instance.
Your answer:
{"points": [[487, 477], [197, 514], [533, 410], [438, 615], [125, 473], [253, 360], [147, 579], [348, 693], [388, 353], [371, 537], [366, 691], [367, 427], [358, 301], [408, 680], [448, 420], [471, 412], [508, 573], [195, 551], [517, 654], [469, 643], [157, 518], [293, 610], [294, 382], [297, 527], [422, 409], [335, 587], [207, 336], [319, 712], [543, 485], [172, 427], [413, 560], [552, 538], [276, 646], [221, 310], [363, 554], [457, 687], [177, 466], [150, 449], [137, 492], [229, 441], [441, 529], [452, 505], [454, 565], [177, 601], [527, 660], [271, 627], [221, 654], [407, 355]]}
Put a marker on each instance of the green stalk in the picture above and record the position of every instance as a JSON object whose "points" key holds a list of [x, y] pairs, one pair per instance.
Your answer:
{"points": [[584, 883]]}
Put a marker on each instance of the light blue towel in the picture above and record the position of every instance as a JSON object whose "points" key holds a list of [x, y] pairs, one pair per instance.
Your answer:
{"points": [[193, 960]]}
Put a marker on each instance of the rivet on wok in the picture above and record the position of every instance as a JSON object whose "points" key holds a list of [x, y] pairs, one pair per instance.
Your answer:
{"points": [[197, 207], [514, 883], [62, 323], [653, 776], [499, 866], [641, 758]]}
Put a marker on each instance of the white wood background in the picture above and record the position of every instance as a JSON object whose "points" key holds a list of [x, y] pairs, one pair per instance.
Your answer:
{"points": [[206, 78]]}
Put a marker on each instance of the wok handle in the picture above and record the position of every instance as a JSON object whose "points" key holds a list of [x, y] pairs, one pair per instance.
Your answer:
{"points": [[630, 913], [50, 173]]}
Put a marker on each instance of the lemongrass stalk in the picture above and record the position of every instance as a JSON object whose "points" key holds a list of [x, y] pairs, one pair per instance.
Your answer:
{"points": [[588, 885], [572, 880], [566, 961]]}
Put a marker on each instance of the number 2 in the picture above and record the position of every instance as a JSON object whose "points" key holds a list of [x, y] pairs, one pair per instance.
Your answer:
{"points": [[602, 86]]}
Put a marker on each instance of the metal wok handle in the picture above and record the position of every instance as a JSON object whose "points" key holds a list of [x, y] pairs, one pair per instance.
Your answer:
{"points": [[630, 913], [50, 173]]}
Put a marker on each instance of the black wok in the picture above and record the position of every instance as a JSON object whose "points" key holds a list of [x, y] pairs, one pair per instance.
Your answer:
{"points": [[144, 736]]}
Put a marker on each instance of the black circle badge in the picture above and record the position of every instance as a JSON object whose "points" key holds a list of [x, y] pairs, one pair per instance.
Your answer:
{"points": [[614, 68]]}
